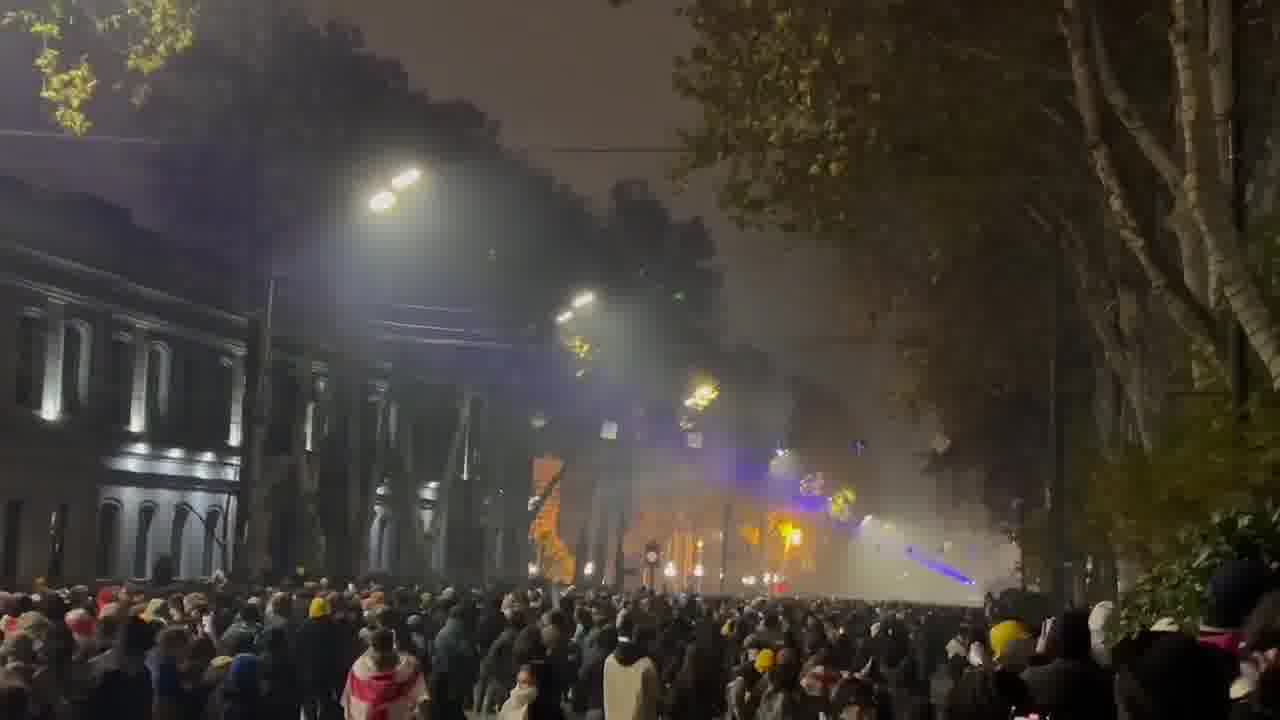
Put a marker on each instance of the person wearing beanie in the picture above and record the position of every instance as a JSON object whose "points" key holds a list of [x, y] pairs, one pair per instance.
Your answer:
{"points": [[1004, 635], [318, 608], [323, 659]]}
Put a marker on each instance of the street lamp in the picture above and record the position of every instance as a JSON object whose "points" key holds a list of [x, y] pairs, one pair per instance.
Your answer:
{"points": [[382, 201], [406, 179]]}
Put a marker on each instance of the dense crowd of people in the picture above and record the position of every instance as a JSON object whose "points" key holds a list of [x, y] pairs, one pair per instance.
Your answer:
{"points": [[543, 654]]}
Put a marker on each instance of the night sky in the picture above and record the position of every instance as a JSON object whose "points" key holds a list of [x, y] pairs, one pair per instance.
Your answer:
{"points": [[582, 73]]}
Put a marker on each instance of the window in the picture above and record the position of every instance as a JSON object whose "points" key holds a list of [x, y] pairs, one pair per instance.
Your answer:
{"points": [[159, 371], [108, 539], [12, 539], [181, 514], [29, 380], [121, 379], [76, 356], [141, 544], [210, 541], [57, 540]]}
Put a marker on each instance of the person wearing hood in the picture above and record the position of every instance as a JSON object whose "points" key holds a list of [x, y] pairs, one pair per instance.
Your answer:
{"points": [[454, 667], [632, 688], [384, 684]]}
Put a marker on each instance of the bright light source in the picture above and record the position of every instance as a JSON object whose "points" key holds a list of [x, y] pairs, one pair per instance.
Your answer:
{"points": [[766, 578], [749, 580], [175, 453], [538, 421], [564, 317], [533, 503], [582, 300], [589, 569], [700, 544], [533, 569], [383, 201], [406, 179], [669, 570], [781, 452], [795, 537], [702, 397], [433, 484], [698, 570]]}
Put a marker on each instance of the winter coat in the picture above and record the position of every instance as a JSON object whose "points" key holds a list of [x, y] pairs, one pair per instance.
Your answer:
{"points": [[323, 657], [632, 687], [119, 687], [1071, 690]]}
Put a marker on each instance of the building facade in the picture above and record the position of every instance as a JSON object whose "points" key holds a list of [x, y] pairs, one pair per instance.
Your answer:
{"points": [[123, 416]]}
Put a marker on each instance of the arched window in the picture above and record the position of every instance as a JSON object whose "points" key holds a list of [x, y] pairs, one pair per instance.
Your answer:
{"points": [[29, 377], [77, 344], [210, 541], [108, 539], [159, 372], [121, 378], [181, 514], [142, 543]]}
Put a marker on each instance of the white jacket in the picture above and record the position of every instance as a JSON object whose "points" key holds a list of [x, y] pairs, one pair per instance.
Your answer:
{"points": [[631, 692]]}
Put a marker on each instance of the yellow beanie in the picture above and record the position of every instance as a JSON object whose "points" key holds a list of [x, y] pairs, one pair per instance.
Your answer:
{"points": [[764, 661], [319, 608], [1005, 633]]}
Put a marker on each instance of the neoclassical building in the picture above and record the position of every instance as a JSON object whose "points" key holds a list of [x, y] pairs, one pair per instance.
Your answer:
{"points": [[122, 423]]}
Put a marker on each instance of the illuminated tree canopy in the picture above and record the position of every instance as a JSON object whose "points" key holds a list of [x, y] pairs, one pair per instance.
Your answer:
{"points": [[73, 37]]}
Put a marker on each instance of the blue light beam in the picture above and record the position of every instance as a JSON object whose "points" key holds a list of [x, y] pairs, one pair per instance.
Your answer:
{"points": [[939, 568]]}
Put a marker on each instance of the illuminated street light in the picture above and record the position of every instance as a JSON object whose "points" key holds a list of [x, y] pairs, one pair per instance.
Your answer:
{"points": [[382, 201], [406, 179], [582, 300], [564, 317], [702, 397]]}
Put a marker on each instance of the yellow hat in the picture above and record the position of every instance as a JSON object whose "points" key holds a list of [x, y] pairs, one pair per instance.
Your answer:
{"points": [[1005, 633], [319, 608], [764, 661]]}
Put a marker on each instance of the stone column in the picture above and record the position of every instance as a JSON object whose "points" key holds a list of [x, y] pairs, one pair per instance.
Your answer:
{"points": [[55, 336], [235, 426], [138, 402]]}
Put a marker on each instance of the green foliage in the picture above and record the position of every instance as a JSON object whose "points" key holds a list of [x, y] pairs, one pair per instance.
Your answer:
{"points": [[146, 33], [1175, 586], [1206, 461]]}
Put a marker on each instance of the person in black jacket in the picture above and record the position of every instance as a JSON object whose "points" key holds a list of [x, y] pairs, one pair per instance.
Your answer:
{"points": [[323, 650], [120, 684], [588, 693]]}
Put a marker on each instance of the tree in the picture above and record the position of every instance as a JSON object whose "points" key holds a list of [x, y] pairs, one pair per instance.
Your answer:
{"points": [[70, 37]]}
